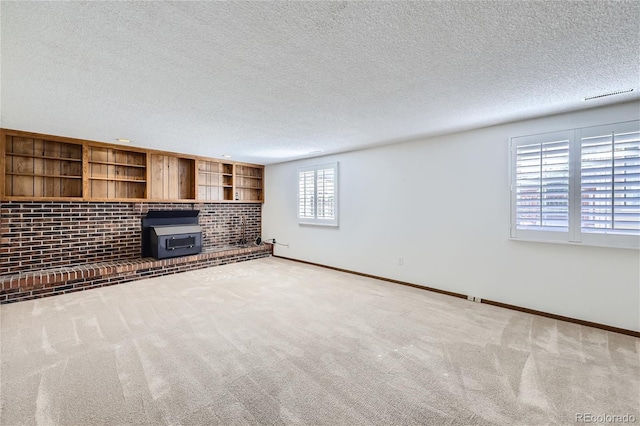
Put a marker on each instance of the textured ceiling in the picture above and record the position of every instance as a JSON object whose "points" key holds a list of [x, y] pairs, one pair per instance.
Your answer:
{"points": [[273, 81]]}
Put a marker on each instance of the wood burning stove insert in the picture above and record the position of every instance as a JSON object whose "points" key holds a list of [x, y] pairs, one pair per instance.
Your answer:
{"points": [[171, 233]]}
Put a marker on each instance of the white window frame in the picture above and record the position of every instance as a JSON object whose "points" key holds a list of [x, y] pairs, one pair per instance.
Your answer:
{"points": [[315, 220], [574, 234]]}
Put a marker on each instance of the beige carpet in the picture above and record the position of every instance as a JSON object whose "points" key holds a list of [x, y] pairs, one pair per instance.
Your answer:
{"points": [[272, 341]]}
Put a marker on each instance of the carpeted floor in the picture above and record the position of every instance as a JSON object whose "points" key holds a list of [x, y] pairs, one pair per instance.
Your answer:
{"points": [[272, 341]]}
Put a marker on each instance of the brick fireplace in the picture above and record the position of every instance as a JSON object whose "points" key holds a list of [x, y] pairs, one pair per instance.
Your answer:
{"points": [[104, 237]]}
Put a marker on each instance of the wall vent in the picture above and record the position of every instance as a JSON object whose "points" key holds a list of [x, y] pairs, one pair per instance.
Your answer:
{"points": [[619, 92]]}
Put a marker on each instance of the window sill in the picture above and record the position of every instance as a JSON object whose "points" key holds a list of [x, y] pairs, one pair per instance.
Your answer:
{"points": [[573, 243], [331, 225]]}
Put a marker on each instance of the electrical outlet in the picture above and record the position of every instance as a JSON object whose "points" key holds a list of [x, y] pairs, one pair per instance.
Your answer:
{"points": [[470, 298], [477, 300], [401, 261]]}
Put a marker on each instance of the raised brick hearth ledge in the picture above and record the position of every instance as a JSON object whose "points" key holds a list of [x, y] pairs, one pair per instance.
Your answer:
{"points": [[49, 282]]}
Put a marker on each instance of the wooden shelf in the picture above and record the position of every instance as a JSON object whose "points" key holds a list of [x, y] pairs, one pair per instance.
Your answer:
{"points": [[118, 179], [249, 194], [44, 176], [142, 166], [44, 157]]}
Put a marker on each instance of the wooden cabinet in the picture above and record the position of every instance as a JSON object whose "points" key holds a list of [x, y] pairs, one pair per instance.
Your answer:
{"points": [[248, 182], [171, 177], [45, 167], [116, 173], [38, 168]]}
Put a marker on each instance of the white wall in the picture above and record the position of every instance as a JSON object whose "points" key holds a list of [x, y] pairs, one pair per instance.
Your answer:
{"points": [[443, 204]]}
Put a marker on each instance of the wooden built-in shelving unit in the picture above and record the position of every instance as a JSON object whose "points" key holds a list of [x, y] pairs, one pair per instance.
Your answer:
{"points": [[116, 173], [36, 166], [248, 182], [210, 180]]}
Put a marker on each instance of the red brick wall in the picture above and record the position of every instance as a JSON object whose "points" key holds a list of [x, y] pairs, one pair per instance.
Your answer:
{"points": [[69, 279], [36, 235]]}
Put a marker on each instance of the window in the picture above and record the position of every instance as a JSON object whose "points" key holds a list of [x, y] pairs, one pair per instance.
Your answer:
{"points": [[318, 195], [578, 186]]}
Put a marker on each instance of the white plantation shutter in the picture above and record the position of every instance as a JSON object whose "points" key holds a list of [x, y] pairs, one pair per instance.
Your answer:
{"points": [[541, 184], [326, 193], [306, 194], [318, 194], [579, 186], [610, 180]]}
